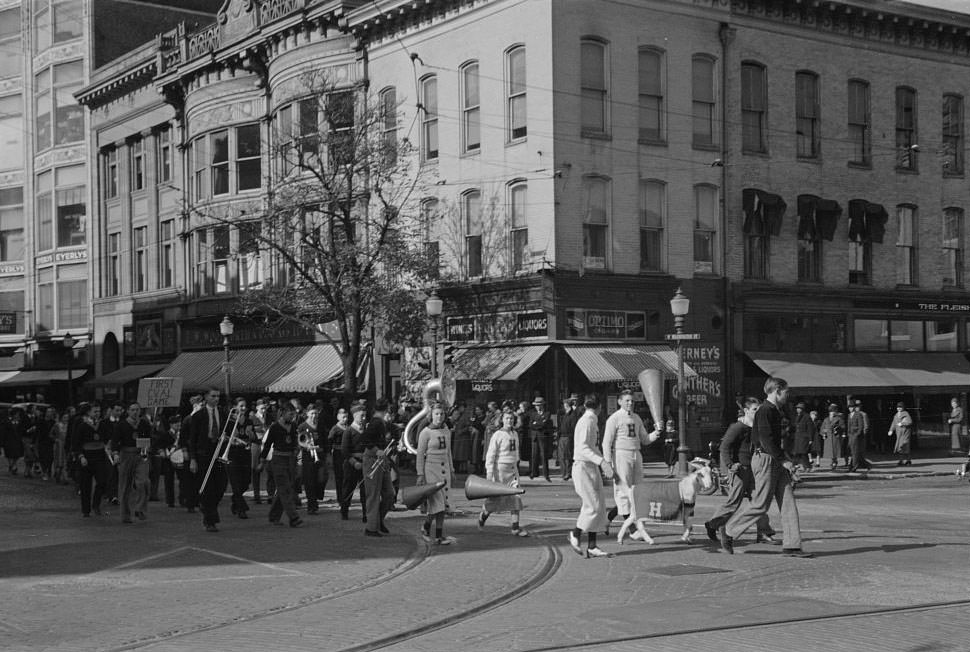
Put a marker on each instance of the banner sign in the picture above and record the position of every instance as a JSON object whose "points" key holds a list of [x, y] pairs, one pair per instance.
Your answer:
{"points": [[160, 392], [605, 324]]}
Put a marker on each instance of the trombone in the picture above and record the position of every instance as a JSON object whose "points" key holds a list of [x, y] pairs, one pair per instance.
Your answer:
{"points": [[224, 441], [305, 440]]}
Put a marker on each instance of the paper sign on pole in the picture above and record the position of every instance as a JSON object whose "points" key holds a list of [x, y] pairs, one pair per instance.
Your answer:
{"points": [[160, 392]]}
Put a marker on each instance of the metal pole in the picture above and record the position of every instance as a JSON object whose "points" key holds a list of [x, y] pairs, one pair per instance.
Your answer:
{"points": [[70, 384], [434, 347], [681, 404], [225, 347]]}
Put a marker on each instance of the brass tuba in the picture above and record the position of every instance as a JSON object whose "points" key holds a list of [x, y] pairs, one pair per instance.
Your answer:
{"points": [[445, 389]]}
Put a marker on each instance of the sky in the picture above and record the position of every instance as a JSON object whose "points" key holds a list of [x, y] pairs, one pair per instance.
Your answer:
{"points": [[951, 5]]}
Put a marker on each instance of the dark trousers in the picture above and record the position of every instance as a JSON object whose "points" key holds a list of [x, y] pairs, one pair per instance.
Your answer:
{"points": [[111, 489], [380, 490], [539, 456], [857, 447], [188, 489], [240, 473], [741, 484], [566, 457], [211, 494], [352, 477], [283, 469], [337, 460], [95, 471], [257, 472], [161, 467], [315, 478]]}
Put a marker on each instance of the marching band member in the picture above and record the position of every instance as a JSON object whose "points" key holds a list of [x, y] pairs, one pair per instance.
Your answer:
{"points": [[377, 476], [133, 482], [281, 437], [353, 456], [240, 459], [502, 466], [623, 436], [88, 446], [258, 426], [314, 458], [206, 430], [588, 462], [335, 439], [433, 464], [188, 487]]}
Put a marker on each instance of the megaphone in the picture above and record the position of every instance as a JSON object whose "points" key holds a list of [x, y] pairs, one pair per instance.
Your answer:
{"points": [[478, 487], [652, 384], [412, 497]]}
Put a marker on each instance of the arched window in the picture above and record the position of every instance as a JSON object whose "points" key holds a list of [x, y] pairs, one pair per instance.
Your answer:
{"points": [[594, 86], [519, 225], [516, 92], [429, 118], [471, 128], [471, 208]]}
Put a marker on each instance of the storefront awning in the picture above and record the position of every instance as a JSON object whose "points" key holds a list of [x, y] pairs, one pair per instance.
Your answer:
{"points": [[866, 373], [125, 375], [497, 362], [607, 364], [42, 377]]}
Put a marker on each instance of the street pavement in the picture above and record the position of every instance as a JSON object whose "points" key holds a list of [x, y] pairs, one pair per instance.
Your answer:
{"points": [[891, 573]]}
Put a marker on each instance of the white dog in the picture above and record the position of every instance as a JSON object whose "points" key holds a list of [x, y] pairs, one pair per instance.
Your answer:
{"points": [[666, 501]]}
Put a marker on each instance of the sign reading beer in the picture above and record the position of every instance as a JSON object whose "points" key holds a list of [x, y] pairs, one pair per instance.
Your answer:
{"points": [[605, 324]]}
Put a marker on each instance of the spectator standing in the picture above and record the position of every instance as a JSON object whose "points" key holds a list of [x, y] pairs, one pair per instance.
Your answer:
{"points": [[833, 430], [802, 439], [955, 421], [902, 428], [567, 429], [541, 429]]}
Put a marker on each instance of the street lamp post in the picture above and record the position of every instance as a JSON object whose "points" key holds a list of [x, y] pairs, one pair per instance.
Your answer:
{"points": [[433, 306], [69, 346], [679, 306], [225, 328]]}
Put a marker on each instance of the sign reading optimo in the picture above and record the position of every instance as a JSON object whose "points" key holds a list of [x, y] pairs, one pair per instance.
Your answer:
{"points": [[497, 327], [605, 324]]}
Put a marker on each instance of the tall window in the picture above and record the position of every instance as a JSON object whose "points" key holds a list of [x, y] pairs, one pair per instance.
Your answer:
{"points": [[113, 287], [59, 120], [905, 128], [593, 87], [11, 56], [137, 150], [471, 118], [860, 261], [298, 134], [704, 100], [596, 222], [388, 100], [653, 212], [248, 158], [429, 214], [471, 204], [810, 257], [516, 93], [952, 134], [651, 94], [61, 208], [860, 122], [705, 227], [139, 258], [220, 258], [11, 224], [250, 261], [72, 296], [953, 247], [227, 161], [202, 253], [219, 162], [906, 245], [166, 254], [45, 299], [429, 119], [519, 226], [806, 114], [12, 130], [163, 147], [199, 167], [111, 173], [754, 107], [341, 143], [56, 21]]}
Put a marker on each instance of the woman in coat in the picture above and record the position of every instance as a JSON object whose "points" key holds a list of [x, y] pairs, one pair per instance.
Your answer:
{"points": [[833, 431], [956, 426], [902, 427], [804, 434]]}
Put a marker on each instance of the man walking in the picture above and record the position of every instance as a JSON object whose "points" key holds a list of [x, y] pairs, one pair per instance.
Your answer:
{"points": [[858, 431], [623, 436], [772, 471], [206, 429]]}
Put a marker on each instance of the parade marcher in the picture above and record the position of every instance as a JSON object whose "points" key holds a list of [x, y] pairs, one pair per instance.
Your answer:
{"points": [[88, 446], [623, 436], [28, 438], [351, 448], [377, 475], [44, 429], [258, 424], [206, 430], [313, 458], [335, 438], [772, 471], [159, 461], [803, 437], [281, 438], [240, 471], [502, 466], [541, 429], [13, 443], [857, 430], [589, 467], [133, 483], [902, 427], [670, 447], [59, 461], [833, 430], [188, 479], [567, 429], [955, 421], [433, 464], [735, 459]]}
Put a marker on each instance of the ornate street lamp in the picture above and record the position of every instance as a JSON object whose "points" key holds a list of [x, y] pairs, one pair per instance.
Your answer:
{"points": [[433, 305], [680, 306], [226, 328]]}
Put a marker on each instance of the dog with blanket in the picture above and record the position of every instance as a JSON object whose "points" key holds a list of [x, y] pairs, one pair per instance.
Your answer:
{"points": [[667, 501]]}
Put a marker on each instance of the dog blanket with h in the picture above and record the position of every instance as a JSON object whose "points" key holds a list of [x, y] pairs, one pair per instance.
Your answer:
{"points": [[660, 501]]}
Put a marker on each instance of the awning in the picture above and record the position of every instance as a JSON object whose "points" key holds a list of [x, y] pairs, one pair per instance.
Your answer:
{"points": [[125, 375], [607, 364], [42, 377], [496, 362], [866, 373]]}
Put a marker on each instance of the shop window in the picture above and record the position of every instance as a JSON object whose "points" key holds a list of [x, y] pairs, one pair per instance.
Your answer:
{"points": [[12, 129], [12, 298], [806, 115], [906, 336], [113, 285], [471, 130], [596, 222], [167, 254], [952, 153], [705, 227], [472, 209], [906, 154], [11, 225], [593, 87], [11, 57], [72, 297], [754, 107], [519, 226], [704, 100], [953, 247], [429, 119], [653, 213], [941, 335], [516, 93], [871, 334], [651, 94], [906, 245], [860, 123], [139, 258]]}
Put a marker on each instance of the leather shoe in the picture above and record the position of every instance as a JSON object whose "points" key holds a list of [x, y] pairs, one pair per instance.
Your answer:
{"points": [[383, 530], [797, 552], [711, 531], [727, 543], [370, 533], [765, 538], [211, 528]]}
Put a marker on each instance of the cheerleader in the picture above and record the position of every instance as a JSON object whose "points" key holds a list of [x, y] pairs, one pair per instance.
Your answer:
{"points": [[502, 466], [588, 463], [433, 465]]}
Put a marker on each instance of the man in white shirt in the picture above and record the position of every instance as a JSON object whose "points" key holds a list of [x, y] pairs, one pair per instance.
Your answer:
{"points": [[588, 464], [623, 436]]}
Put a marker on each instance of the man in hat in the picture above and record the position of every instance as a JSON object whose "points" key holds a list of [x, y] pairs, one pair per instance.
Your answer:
{"points": [[567, 426], [857, 430], [804, 434], [541, 428], [833, 430]]}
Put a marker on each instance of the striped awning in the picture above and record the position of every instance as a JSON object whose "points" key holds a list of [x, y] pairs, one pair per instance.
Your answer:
{"points": [[125, 375], [607, 364], [42, 377], [497, 362]]}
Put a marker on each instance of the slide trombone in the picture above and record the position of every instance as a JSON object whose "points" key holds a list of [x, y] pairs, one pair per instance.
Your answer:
{"points": [[305, 440], [223, 443]]}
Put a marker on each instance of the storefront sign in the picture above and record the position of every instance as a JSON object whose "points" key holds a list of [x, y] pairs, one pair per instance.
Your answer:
{"points": [[15, 268], [159, 392], [497, 327], [605, 324], [460, 329], [532, 324], [481, 385], [194, 337], [704, 389], [916, 305], [8, 323]]}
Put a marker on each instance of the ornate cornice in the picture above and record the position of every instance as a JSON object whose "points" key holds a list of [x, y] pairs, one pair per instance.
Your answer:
{"points": [[375, 21]]}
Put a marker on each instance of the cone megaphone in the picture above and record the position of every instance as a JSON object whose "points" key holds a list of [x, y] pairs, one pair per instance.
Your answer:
{"points": [[412, 497], [652, 384], [477, 487]]}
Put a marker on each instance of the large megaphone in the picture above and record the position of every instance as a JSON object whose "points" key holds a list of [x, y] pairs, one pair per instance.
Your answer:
{"points": [[652, 384], [412, 497], [478, 487]]}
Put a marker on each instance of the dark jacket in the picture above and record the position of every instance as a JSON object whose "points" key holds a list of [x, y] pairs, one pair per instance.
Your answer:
{"points": [[540, 425]]}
